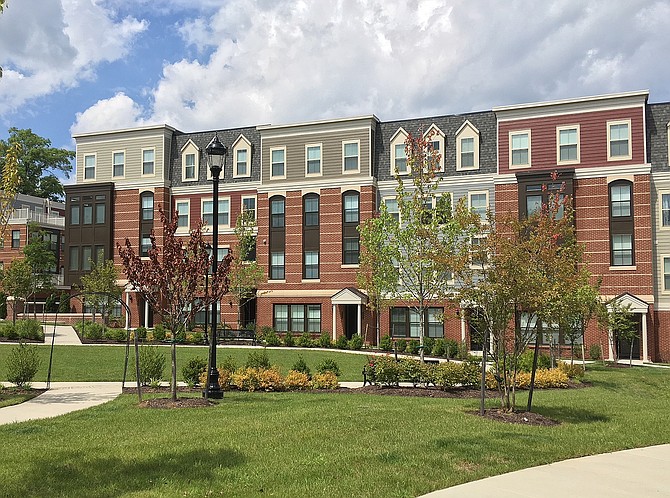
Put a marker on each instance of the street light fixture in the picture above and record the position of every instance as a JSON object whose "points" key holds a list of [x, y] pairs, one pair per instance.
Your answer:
{"points": [[216, 160]]}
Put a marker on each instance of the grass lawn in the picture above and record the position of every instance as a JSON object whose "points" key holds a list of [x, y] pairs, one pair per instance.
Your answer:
{"points": [[105, 363], [11, 396], [308, 444]]}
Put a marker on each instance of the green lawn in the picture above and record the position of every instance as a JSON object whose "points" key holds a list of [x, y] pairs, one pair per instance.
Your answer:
{"points": [[10, 396], [105, 363], [306, 444]]}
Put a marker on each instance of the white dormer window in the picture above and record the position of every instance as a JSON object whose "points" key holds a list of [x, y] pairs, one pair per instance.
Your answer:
{"points": [[437, 144], [398, 155], [190, 162], [467, 147], [241, 158]]}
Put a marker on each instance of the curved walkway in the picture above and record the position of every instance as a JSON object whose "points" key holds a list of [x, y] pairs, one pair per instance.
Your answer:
{"points": [[637, 472]]}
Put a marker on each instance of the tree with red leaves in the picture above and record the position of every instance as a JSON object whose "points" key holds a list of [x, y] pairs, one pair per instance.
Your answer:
{"points": [[172, 279]]}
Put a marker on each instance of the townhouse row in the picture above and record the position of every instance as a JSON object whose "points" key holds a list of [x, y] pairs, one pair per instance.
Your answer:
{"points": [[310, 185]]}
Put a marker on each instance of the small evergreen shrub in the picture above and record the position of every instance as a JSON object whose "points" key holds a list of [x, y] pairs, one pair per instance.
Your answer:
{"points": [[152, 365], [8, 329], [411, 371], [386, 344], [450, 348], [116, 334], [448, 375], [438, 347], [324, 340], [342, 342], [64, 303], [3, 305], [270, 337], [305, 340], [472, 373], [525, 363], [355, 343], [301, 366], [258, 359], [326, 380], [228, 364], [141, 333], [400, 345], [289, 341], [159, 332], [93, 331], [22, 365], [595, 352], [192, 369], [296, 381], [572, 371], [328, 365], [387, 371], [413, 347], [428, 344], [51, 304]]}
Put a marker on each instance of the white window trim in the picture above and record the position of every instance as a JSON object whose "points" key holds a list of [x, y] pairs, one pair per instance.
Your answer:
{"points": [[95, 167], [146, 175], [473, 266], [278, 177], [186, 229], [438, 136], [208, 228], [398, 138], [358, 157], [120, 151], [663, 289], [559, 129], [190, 148], [467, 130], [241, 144], [255, 198], [392, 198], [630, 140], [307, 146], [661, 193], [479, 192], [530, 161]]}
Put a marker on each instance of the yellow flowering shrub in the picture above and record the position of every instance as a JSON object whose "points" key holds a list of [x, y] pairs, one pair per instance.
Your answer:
{"points": [[325, 380], [295, 381]]}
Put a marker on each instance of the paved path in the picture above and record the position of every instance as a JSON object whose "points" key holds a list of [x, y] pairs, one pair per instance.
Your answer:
{"points": [[65, 335], [637, 472], [63, 397]]}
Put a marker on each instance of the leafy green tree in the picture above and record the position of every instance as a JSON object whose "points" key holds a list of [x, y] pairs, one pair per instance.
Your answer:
{"points": [[42, 261], [17, 281], [100, 288], [38, 162], [9, 184], [622, 326]]}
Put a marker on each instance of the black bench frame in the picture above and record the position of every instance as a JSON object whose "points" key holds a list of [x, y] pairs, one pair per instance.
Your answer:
{"points": [[227, 334]]}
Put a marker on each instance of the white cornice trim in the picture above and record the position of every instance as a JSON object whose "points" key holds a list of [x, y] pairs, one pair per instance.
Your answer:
{"points": [[361, 181], [448, 181], [207, 188], [126, 130], [325, 123], [138, 185], [581, 173]]}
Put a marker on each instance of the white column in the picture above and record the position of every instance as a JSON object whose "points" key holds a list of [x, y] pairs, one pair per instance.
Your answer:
{"points": [[128, 307], [146, 314], [645, 354], [334, 322], [611, 345], [462, 326], [360, 319]]}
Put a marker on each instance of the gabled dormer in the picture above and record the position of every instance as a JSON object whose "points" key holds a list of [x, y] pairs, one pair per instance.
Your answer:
{"points": [[190, 162], [398, 156], [438, 142], [467, 147], [241, 157]]}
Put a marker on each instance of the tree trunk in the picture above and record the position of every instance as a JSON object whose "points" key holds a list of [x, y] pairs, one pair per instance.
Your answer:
{"points": [[173, 381], [483, 385], [533, 370]]}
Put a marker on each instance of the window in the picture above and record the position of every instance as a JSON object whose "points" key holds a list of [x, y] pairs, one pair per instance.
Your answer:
{"points": [[437, 145], [277, 266], [297, 318], [74, 214], [313, 318], [16, 239], [477, 255], [280, 317], [99, 254], [568, 144], [519, 148], [311, 210], [666, 274], [241, 156], [89, 167], [148, 161], [189, 167], [118, 163], [618, 138], [350, 236], [479, 203], [434, 319], [467, 147], [313, 159], [351, 210], [86, 256], [241, 162], [467, 152], [277, 212], [147, 201], [392, 209], [351, 251], [249, 206], [400, 159], [99, 213], [311, 265], [183, 208], [223, 214], [535, 191], [74, 259], [350, 161], [665, 210], [406, 322], [621, 223], [88, 214], [277, 167], [145, 245]]}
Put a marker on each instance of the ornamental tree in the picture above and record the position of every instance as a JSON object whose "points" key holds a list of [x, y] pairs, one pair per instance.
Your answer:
{"points": [[100, 288], [172, 279]]}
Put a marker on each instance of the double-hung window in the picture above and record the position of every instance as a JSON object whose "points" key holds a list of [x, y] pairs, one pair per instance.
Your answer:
{"points": [[400, 159], [278, 163], [311, 236], [277, 237], [622, 242], [89, 167], [277, 265], [16, 239], [568, 144], [189, 167], [223, 212], [313, 160], [241, 162], [148, 157], [118, 163], [183, 208], [350, 220], [350, 161], [665, 210], [618, 138], [519, 148]]}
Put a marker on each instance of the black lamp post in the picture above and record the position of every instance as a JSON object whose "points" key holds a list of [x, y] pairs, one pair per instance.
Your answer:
{"points": [[216, 159]]}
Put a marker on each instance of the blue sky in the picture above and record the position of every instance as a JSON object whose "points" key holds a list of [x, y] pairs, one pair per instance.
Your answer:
{"points": [[73, 66]]}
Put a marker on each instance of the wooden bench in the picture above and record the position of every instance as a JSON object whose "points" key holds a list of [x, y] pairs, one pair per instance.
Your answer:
{"points": [[237, 335]]}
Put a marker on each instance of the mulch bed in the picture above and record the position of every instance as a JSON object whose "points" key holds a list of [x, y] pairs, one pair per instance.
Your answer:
{"points": [[523, 418]]}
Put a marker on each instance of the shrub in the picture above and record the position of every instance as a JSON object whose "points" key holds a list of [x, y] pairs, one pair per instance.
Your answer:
{"points": [[571, 370], [387, 371], [428, 344], [595, 352], [463, 352], [246, 379], [342, 342], [192, 369], [225, 378], [448, 375], [305, 340], [93, 331], [152, 364], [116, 334], [159, 332], [3, 305], [51, 304], [385, 344], [326, 380], [355, 343], [270, 379], [438, 347], [411, 371], [324, 340], [22, 365], [270, 337], [228, 364], [400, 345], [258, 359], [472, 372], [525, 363], [64, 303], [301, 366], [141, 333], [328, 365], [8, 330], [296, 380], [288, 339], [450, 348], [413, 347], [544, 379]]}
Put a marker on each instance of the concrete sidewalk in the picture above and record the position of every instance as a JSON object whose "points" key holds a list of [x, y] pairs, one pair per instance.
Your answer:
{"points": [[637, 472], [63, 397], [65, 335]]}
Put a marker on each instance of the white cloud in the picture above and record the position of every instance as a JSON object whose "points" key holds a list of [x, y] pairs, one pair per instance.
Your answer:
{"points": [[281, 61], [114, 113], [46, 47]]}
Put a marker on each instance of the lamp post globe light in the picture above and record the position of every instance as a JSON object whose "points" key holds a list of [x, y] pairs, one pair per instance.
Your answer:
{"points": [[216, 160]]}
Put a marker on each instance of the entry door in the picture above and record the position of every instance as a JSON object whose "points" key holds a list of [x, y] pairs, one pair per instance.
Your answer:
{"points": [[624, 347], [350, 320]]}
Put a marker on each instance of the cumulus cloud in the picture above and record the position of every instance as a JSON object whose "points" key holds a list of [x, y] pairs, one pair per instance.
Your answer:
{"points": [[47, 47], [117, 112], [285, 60]]}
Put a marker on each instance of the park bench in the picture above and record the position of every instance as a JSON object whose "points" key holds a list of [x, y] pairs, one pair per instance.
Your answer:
{"points": [[227, 334]]}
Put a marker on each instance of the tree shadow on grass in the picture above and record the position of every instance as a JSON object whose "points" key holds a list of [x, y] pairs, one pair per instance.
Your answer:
{"points": [[571, 415], [64, 473]]}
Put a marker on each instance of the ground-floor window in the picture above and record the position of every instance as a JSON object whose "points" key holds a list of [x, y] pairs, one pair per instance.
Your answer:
{"points": [[297, 318], [406, 322], [551, 333]]}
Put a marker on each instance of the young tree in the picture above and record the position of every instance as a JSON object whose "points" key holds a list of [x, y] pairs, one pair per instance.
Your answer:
{"points": [[416, 257], [17, 281], [245, 274], [172, 279], [42, 261], [99, 286], [622, 326], [37, 163], [9, 185]]}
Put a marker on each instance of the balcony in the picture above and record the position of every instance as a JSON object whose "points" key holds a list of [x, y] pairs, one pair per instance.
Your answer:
{"points": [[25, 215]]}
